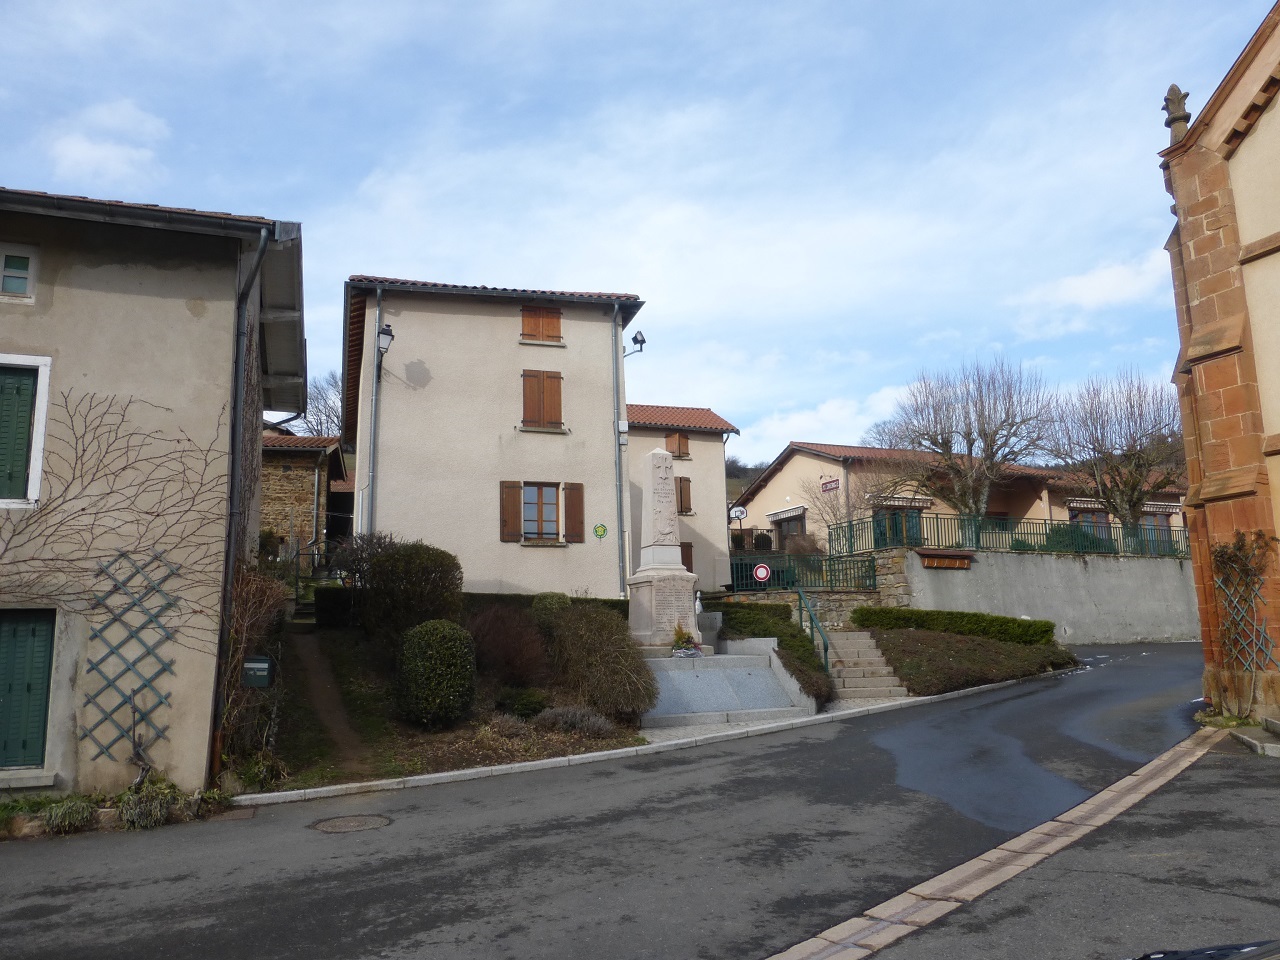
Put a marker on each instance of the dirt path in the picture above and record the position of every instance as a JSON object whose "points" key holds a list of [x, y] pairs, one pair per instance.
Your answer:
{"points": [[322, 690]]}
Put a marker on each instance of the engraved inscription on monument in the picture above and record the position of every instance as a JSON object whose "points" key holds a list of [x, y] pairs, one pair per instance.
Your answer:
{"points": [[664, 500]]}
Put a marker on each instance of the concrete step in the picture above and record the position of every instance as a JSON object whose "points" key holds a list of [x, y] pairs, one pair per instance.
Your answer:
{"points": [[861, 636], [869, 693], [1259, 739], [302, 624], [859, 661], [844, 673], [1272, 725], [853, 683]]}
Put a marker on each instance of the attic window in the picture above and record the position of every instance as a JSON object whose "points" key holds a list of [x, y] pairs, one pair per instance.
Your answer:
{"points": [[17, 272]]}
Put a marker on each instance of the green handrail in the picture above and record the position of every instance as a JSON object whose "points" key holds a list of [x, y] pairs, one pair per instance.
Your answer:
{"points": [[813, 622]]}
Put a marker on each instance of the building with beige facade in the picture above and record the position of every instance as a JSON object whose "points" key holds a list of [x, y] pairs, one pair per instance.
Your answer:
{"points": [[810, 487], [491, 427], [1223, 172], [695, 438], [138, 347]]}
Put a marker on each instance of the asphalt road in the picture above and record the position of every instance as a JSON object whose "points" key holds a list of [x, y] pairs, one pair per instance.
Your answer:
{"points": [[735, 850]]}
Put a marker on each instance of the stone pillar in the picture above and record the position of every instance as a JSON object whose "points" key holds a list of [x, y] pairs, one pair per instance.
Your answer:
{"points": [[661, 589]]}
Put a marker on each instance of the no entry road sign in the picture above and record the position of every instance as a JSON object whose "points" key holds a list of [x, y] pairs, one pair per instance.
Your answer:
{"points": [[761, 572]]}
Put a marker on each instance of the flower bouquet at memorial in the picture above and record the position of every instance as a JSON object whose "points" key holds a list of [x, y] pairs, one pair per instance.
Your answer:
{"points": [[685, 645]]}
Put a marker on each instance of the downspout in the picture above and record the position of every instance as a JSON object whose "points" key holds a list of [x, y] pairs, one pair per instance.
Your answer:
{"points": [[230, 554], [373, 412], [617, 454]]}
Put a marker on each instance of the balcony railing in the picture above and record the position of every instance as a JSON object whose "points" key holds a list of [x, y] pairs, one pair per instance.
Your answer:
{"points": [[808, 572], [912, 529]]}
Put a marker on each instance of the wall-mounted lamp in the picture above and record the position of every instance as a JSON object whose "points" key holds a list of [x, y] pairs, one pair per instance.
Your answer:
{"points": [[639, 341], [385, 336]]}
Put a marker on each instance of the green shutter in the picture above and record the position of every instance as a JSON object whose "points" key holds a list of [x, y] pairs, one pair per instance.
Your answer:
{"points": [[17, 411], [26, 655]]}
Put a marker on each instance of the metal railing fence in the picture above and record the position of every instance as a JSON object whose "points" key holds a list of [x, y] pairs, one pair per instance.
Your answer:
{"points": [[809, 571]]}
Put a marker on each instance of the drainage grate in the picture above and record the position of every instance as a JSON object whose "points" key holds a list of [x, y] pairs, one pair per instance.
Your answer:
{"points": [[351, 824]]}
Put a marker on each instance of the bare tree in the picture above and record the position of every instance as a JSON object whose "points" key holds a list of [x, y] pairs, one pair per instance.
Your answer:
{"points": [[324, 406], [1120, 438], [113, 488], [962, 431], [848, 501]]}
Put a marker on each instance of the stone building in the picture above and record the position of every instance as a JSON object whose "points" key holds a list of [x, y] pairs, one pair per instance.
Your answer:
{"points": [[1223, 172], [297, 477]]}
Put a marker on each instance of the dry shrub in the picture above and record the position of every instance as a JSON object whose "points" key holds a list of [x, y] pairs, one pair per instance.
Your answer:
{"points": [[258, 604], [599, 664], [581, 720], [509, 647], [507, 726]]}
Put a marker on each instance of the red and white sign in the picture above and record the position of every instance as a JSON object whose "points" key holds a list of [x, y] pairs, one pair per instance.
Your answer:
{"points": [[829, 486], [761, 572]]}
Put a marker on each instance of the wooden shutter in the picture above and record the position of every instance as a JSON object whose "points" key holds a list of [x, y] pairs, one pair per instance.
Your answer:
{"points": [[574, 521], [551, 413], [684, 495], [17, 410], [26, 654], [510, 506], [540, 323], [532, 398], [678, 444], [686, 555]]}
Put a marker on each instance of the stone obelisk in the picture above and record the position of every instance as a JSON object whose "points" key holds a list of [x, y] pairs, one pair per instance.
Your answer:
{"points": [[661, 589]]}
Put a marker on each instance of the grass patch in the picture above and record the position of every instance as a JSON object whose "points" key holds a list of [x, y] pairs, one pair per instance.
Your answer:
{"points": [[929, 662], [1223, 721]]}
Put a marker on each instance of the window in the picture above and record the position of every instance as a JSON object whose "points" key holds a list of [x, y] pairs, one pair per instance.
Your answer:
{"points": [[24, 397], [26, 655], [542, 400], [1096, 522], [684, 495], [533, 512], [678, 445], [540, 324], [17, 273]]}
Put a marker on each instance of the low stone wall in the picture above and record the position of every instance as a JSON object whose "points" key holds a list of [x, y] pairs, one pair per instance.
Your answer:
{"points": [[1092, 599], [832, 606]]}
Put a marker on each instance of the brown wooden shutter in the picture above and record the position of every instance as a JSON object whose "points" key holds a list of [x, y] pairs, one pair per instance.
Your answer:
{"points": [[530, 323], [686, 555], [511, 504], [673, 444], [682, 440], [551, 413], [574, 523], [684, 495], [532, 398]]}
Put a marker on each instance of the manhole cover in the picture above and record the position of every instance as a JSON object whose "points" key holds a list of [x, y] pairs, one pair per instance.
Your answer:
{"points": [[351, 824]]}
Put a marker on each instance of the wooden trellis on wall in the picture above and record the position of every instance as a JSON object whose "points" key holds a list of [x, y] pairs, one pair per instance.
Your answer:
{"points": [[128, 698]]}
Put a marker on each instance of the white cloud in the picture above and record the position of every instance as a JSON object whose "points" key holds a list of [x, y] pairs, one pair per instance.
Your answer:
{"points": [[109, 144], [1107, 285]]}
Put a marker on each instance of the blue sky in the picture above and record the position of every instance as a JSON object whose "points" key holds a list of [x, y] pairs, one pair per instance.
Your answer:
{"points": [[816, 199]]}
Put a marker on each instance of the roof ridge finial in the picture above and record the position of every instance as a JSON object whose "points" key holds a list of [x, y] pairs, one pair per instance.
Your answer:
{"points": [[1175, 105]]}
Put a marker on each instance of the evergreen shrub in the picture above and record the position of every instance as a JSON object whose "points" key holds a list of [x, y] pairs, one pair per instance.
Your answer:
{"points": [[1007, 629], [437, 673], [521, 702], [509, 646], [407, 584]]}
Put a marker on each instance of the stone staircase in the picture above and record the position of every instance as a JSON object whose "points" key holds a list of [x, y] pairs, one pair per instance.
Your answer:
{"points": [[858, 669], [1264, 740]]}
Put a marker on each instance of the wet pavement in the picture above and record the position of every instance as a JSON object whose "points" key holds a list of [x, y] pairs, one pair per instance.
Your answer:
{"points": [[737, 849]]}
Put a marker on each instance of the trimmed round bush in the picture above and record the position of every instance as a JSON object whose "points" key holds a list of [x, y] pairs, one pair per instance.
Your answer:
{"points": [[598, 662], [437, 673], [408, 584]]}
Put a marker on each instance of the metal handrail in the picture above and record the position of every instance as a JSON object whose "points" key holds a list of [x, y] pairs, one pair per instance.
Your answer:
{"points": [[813, 622]]}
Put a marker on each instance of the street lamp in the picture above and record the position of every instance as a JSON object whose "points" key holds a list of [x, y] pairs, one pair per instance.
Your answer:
{"points": [[385, 336], [639, 341]]}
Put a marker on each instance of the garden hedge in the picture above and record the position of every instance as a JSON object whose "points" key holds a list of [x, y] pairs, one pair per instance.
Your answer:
{"points": [[475, 602], [779, 611], [1008, 629]]}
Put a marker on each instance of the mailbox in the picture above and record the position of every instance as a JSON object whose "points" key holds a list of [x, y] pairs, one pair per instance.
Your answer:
{"points": [[258, 672]]}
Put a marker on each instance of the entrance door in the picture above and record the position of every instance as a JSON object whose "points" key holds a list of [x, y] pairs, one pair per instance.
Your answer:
{"points": [[26, 655]]}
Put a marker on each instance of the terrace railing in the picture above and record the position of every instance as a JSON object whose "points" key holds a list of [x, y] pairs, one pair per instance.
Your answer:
{"points": [[911, 529], [808, 572]]}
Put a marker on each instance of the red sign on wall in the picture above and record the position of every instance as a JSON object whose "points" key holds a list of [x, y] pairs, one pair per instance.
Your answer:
{"points": [[829, 486]]}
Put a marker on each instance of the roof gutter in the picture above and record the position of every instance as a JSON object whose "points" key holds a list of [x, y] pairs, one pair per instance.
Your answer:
{"points": [[501, 294]]}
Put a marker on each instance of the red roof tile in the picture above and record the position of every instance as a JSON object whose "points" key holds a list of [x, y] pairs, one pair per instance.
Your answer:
{"points": [[678, 418], [432, 286], [343, 486], [298, 443]]}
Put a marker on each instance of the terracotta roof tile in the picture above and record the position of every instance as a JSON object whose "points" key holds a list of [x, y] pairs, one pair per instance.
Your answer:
{"points": [[432, 286], [678, 418], [298, 443], [343, 486]]}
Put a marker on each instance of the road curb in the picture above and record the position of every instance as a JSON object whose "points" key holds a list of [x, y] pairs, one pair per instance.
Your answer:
{"points": [[933, 899], [529, 766]]}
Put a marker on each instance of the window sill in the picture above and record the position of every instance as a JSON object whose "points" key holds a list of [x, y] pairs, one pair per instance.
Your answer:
{"points": [[686, 513], [543, 343], [561, 430], [17, 778], [540, 544], [19, 504], [680, 456]]}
